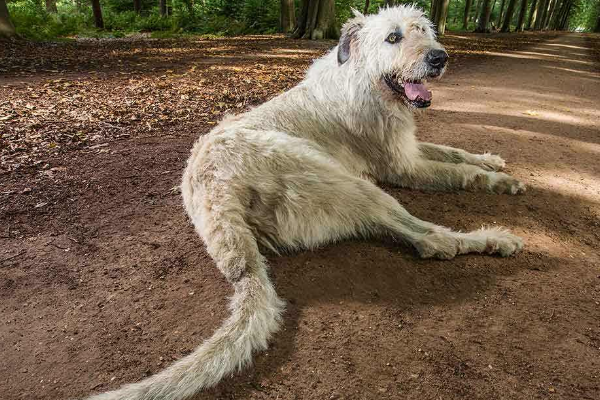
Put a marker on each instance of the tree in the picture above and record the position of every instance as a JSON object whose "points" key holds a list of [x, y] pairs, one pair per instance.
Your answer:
{"points": [[508, 16], [287, 16], [477, 10], [597, 27], [162, 6], [544, 14], [484, 17], [7, 29], [97, 11], [137, 6], [499, 19], [317, 20], [441, 13], [51, 6], [521, 19], [532, 14], [551, 13], [366, 10], [468, 4], [539, 19]]}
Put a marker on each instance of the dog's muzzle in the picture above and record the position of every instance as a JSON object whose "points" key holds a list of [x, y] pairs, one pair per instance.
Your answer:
{"points": [[436, 61]]}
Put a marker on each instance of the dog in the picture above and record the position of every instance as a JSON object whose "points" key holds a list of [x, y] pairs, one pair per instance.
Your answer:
{"points": [[300, 171]]}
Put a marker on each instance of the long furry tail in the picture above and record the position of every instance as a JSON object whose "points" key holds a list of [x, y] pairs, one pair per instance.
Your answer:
{"points": [[256, 311]]}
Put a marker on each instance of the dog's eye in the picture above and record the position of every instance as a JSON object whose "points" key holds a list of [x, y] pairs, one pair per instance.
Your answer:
{"points": [[393, 37]]}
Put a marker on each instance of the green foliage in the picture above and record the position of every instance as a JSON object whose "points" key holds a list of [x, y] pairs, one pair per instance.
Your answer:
{"points": [[214, 17], [585, 15], [32, 21]]}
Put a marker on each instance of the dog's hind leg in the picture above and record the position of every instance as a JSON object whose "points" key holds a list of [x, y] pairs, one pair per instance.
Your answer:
{"points": [[316, 210], [448, 154]]}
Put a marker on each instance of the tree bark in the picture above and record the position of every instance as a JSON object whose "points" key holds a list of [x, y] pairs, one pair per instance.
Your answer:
{"points": [[499, 19], [484, 17], [544, 14], [317, 20], [564, 23], [51, 6], [550, 12], [532, 14], [325, 27], [597, 28], [433, 10], [510, 10], [553, 22], [7, 29], [477, 11], [521, 19], [288, 16], [366, 9], [468, 4], [162, 5], [441, 13], [97, 10], [542, 4], [137, 6]]}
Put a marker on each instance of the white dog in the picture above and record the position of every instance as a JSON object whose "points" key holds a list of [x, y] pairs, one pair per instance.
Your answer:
{"points": [[300, 171]]}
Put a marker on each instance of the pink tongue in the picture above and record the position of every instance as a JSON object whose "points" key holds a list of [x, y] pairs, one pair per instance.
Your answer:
{"points": [[416, 90]]}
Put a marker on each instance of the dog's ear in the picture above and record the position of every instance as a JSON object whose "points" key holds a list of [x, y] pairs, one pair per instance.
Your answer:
{"points": [[349, 31]]}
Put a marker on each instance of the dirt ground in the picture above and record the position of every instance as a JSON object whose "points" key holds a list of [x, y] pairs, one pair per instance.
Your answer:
{"points": [[103, 280]]}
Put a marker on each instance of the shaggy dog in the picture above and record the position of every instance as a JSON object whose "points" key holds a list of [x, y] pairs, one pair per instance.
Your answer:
{"points": [[300, 171]]}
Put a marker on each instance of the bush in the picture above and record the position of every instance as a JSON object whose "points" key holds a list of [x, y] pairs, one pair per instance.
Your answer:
{"points": [[32, 21]]}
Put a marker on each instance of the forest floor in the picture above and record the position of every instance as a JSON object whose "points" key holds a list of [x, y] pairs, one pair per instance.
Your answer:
{"points": [[103, 281]]}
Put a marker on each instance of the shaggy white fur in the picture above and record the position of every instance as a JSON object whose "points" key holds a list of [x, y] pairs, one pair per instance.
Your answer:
{"points": [[300, 171]]}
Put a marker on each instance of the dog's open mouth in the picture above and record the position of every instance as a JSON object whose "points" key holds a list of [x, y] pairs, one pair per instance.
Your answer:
{"points": [[413, 91]]}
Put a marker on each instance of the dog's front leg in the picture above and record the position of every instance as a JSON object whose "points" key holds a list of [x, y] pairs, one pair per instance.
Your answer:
{"points": [[436, 152], [435, 175]]}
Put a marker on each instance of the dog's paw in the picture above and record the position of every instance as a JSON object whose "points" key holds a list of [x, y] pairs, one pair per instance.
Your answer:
{"points": [[490, 162], [501, 183], [502, 242]]}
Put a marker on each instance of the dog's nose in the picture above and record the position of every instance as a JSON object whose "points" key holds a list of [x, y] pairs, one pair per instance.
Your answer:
{"points": [[437, 58]]}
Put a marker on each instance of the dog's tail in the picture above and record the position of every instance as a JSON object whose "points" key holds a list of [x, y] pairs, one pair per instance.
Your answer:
{"points": [[255, 316]]}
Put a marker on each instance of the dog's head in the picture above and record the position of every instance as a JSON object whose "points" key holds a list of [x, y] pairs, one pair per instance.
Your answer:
{"points": [[396, 50]]}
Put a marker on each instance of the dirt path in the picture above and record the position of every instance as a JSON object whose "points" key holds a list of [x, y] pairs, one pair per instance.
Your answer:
{"points": [[103, 281]]}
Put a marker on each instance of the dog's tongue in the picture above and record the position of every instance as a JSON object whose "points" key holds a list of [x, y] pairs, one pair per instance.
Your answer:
{"points": [[416, 90]]}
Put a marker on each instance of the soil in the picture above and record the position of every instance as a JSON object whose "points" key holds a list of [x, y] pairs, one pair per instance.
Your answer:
{"points": [[103, 280]]}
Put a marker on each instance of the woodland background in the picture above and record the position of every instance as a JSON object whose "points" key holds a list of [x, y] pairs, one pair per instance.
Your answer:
{"points": [[311, 19]]}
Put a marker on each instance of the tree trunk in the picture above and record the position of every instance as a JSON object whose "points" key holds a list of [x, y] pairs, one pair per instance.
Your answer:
{"points": [[544, 14], [433, 10], [317, 20], [499, 19], [508, 16], [484, 17], [468, 4], [51, 6], [553, 23], [137, 6], [97, 10], [366, 10], [597, 28], [325, 27], [288, 16], [550, 13], [477, 11], [7, 29], [565, 17], [441, 13], [542, 5], [532, 14], [162, 5], [521, 19]]}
